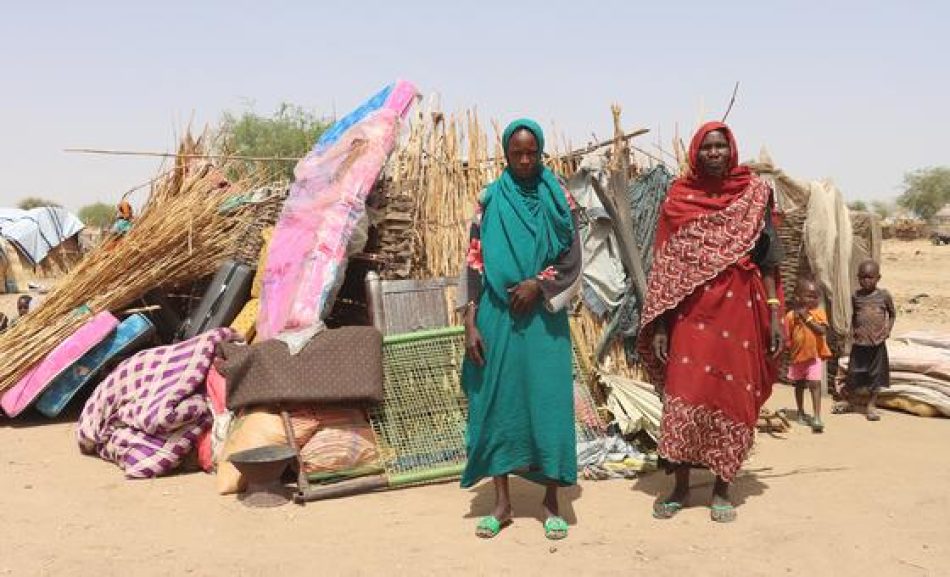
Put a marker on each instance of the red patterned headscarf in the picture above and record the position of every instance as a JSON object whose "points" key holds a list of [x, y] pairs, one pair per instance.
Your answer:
{"points": [[694, 194]]}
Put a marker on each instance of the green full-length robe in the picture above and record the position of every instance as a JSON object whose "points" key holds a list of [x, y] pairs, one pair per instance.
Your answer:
{"points": [[521, 402]]}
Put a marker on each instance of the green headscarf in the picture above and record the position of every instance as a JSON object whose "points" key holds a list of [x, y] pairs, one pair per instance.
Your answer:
{"points": [[529, 124], [527, 225]]}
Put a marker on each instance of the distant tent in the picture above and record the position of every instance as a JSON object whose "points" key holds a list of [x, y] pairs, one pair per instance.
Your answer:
{"points": [[36, 243]]}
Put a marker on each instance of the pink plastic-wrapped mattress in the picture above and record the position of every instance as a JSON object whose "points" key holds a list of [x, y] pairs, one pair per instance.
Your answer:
{"points": [[31, 386], [308, 251]]}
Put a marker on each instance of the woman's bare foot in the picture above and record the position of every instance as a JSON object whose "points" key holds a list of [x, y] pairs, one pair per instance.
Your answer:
{"points": [[670, 506], [501, 515]]}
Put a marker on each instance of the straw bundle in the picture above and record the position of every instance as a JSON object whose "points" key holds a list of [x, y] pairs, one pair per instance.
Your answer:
{"points": [[180, 237], [590, 330], [434, 181]]}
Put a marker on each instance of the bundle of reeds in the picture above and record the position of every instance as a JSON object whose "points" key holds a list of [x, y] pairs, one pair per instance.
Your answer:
{"points": [[436, 176], [180, 236]]}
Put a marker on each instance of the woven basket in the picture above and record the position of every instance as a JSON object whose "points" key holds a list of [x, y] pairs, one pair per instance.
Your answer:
{"points": [[265, 213], [792, 233]]}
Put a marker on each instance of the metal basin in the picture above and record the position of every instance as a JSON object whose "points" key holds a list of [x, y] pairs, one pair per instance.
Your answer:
{"points": [[262, 468]]}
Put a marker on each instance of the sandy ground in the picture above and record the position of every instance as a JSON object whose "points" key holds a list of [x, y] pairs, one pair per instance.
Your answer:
{"points": [[918, 269], [861, 499]]}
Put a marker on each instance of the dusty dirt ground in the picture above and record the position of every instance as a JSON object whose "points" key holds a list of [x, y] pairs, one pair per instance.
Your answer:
{"points": [[861, 499]]}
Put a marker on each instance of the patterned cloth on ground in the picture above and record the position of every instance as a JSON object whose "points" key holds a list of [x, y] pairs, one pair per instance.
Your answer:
{"points": [[148, 414]]}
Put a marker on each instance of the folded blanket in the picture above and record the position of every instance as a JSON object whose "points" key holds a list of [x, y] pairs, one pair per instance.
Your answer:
{"points": [[148, 414]]}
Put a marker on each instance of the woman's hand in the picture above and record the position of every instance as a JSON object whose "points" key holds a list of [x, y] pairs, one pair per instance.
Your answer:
{"points": [[776, 336], [661, 343], [523, 296], [474, 345]]}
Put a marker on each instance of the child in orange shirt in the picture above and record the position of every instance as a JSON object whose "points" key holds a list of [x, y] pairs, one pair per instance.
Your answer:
{"points": [[806, 326]]}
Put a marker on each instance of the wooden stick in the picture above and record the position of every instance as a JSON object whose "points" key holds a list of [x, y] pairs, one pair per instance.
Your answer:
{"points": [[648, 155], [188, 156], [732, 101], [141, 309], [603, 143]]}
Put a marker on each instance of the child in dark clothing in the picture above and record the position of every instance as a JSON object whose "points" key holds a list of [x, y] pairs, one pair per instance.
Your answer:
{"points": [[874, 316]]}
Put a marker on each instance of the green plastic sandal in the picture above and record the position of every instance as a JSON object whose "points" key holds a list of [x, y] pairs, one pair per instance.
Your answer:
{"points": [[666, 509], [555, 528], [722, 513], [490, 526]]}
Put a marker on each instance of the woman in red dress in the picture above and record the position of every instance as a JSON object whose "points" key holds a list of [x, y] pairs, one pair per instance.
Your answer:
{"points": [[710, 331]]}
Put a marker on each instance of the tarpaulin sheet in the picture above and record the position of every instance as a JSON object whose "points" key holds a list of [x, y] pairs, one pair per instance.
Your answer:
{"points": [[37, 231]]}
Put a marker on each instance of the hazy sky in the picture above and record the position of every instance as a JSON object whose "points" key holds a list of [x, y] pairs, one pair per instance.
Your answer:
{"points": [[855, 91]]}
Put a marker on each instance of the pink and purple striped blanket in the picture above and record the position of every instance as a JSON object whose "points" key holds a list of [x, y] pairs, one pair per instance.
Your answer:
{"points": [[148, 414]]}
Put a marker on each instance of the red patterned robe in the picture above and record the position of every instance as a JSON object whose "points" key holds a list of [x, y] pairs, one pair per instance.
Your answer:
{"points": [[712, 242]]}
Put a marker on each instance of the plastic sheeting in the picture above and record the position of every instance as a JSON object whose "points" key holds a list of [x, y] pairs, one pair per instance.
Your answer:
{"points": [[37, 231], [307, 256]]}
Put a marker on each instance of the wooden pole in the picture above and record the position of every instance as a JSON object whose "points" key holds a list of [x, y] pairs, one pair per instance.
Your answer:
{"points": [[180, 155], [732, 101]]}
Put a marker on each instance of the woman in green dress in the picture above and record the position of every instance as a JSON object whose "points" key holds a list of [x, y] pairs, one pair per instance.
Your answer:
{"points": [[522, 269]]}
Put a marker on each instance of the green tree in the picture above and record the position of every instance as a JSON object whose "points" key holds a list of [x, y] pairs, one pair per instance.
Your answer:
{"points": [[858, 206], [884, 208], [35, 202], [99, 214], [289, 133], [926, 191]]}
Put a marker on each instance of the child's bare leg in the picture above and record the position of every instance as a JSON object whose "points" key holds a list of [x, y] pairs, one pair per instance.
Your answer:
{"points": [[800, 401], [815, 388], [872, 407]]}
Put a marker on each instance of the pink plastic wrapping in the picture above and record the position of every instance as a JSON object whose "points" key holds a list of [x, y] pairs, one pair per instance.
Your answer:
{"points": [[308, 251]]}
